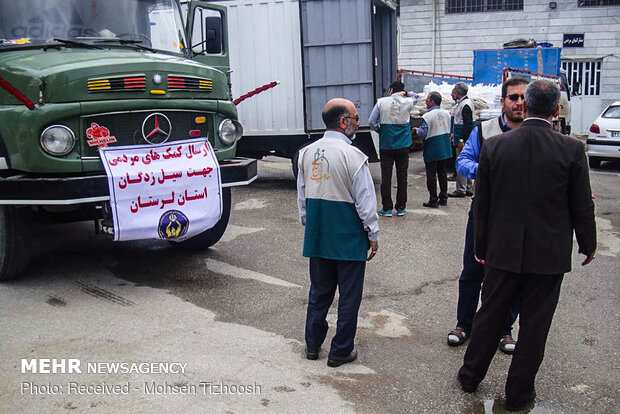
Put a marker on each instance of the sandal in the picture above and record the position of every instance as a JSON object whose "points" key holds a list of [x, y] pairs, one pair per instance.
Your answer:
{"points": [[507, 344], [457, 337]]}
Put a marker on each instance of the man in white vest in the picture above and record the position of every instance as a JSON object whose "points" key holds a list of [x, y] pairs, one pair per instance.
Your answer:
{"points": [[435, 130], [390, 118], [462, 125], [337, 206]]}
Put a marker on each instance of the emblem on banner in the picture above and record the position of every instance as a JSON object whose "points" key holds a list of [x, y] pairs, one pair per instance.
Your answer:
{"points": [[172, 225]]}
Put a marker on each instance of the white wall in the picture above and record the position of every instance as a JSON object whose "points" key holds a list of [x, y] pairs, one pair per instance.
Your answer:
{"points": [[457, 35]]}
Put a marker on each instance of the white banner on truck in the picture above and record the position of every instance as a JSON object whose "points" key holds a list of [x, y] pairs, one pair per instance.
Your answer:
{"points": [[170, 191]]}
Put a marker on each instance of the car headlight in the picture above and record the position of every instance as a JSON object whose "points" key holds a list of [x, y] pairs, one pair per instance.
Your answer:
{"points": [[57, 140], [230, 131]]}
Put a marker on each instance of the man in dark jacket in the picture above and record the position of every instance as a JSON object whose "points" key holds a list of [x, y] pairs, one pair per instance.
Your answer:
{"points": [[532, 192]]}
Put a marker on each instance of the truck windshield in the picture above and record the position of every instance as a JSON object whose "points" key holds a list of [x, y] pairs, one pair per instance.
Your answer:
{"points": [[155, 24]]}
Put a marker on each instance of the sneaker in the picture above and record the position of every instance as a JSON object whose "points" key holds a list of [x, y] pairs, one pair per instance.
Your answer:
{"points": [[385, 213], [401, 212]]}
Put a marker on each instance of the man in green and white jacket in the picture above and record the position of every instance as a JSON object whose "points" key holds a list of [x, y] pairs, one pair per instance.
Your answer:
{"points": [[337, 205]]}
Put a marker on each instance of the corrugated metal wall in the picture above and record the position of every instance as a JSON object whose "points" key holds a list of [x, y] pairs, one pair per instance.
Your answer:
{"points": [[338, 59], [264, 47]]}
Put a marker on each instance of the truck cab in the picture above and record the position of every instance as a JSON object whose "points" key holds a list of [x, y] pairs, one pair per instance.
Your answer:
{"points": [[138, 71]]}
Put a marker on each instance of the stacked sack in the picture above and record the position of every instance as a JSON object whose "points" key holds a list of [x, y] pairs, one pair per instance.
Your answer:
{"points": [[486, 99]]}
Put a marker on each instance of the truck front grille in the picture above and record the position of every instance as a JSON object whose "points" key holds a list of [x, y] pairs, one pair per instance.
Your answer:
{"points": [[131, 128]]}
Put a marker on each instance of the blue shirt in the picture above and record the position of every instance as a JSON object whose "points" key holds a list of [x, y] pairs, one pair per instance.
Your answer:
{"points": [[467, 161], [423, 130]]}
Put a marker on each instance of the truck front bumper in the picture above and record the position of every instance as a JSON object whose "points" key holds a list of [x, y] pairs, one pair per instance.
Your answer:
{"points": [[28, 190]]}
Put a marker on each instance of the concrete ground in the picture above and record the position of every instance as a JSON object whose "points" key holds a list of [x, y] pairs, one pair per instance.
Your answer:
{"points": [[235, 314]]}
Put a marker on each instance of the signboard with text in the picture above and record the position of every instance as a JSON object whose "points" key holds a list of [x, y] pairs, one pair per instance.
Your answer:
{"points": [[169, 191], [573, 40]]}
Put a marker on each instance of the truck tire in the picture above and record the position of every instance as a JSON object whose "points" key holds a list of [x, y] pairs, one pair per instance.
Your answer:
{"points": [[594, 162], [295, 164], [211, 236], [15, 241]]}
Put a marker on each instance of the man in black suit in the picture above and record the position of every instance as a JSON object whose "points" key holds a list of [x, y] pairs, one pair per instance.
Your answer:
{"points": [[532, 191]]}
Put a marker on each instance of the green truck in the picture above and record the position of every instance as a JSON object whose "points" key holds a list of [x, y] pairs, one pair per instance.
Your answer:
{"points": [[146, 71]]}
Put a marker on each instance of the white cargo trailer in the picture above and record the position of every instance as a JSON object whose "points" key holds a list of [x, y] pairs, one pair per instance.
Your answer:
{"points": [[317, 50]]}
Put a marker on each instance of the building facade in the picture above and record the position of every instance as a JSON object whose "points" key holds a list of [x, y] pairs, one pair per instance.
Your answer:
{"points": [[441, 35]]}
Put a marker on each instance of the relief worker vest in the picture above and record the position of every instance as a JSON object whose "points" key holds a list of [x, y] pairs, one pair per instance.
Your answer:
{"points": [[457, 115], [394, 116], [333, 229], [437, 142]]}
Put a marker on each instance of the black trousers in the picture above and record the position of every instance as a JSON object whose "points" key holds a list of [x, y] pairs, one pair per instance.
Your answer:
{"points": [[470, 284], [400, 157], [538, 300], [434, 170], [325, 276]]}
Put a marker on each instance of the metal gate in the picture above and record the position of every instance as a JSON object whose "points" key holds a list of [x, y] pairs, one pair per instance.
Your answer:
{"points": [[584, 80]]}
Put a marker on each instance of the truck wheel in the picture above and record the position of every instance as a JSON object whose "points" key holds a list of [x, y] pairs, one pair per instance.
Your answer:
{"points": [[211, 236], [15, 241], [594, 162], [295, 159], [295, 164]]}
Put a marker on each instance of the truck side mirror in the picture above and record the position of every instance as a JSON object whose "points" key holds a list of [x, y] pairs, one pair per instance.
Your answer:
{"points": [[213, 33]]}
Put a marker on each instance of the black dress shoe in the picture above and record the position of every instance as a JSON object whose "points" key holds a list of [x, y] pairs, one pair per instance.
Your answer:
{"points": [[312, 354], [469, 193], [443, 201], [431, 204], [523, 405], [456, 194], [334, 361], [465, 387]]}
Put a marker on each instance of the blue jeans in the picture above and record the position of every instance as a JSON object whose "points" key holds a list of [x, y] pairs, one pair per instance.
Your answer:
{"points": [[470, 284], [325, 276]]}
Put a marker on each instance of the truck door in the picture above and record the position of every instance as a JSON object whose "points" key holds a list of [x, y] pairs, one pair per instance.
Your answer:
{"points": [[207, 31], [384, 45], [337, 56]]}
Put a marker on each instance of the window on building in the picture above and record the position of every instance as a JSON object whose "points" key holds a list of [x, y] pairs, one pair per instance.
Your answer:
{"points": [[592, 3], [473, 6], [583, 76]]}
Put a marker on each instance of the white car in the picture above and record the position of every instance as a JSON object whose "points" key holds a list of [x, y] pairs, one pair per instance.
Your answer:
{"points": [[604, 137]]}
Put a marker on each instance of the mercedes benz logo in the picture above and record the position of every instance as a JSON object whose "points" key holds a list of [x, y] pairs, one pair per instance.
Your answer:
{"points": [[156, 128]]}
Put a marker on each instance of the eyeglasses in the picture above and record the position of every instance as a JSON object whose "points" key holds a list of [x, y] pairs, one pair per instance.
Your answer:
{"points": [[356, 117], [515, 97]]}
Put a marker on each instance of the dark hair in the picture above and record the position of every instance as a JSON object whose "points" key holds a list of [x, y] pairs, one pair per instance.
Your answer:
{"points": [[513, 81], [542, 97], [397, 86], [333, 115], [462, 88], [435, 97]]}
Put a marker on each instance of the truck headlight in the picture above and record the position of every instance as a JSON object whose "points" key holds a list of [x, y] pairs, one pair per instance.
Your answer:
{"points": [[230, 131], [57, 140]]}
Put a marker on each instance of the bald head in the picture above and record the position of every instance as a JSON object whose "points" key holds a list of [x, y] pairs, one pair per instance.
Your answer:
{"points": [[334, 110]]}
